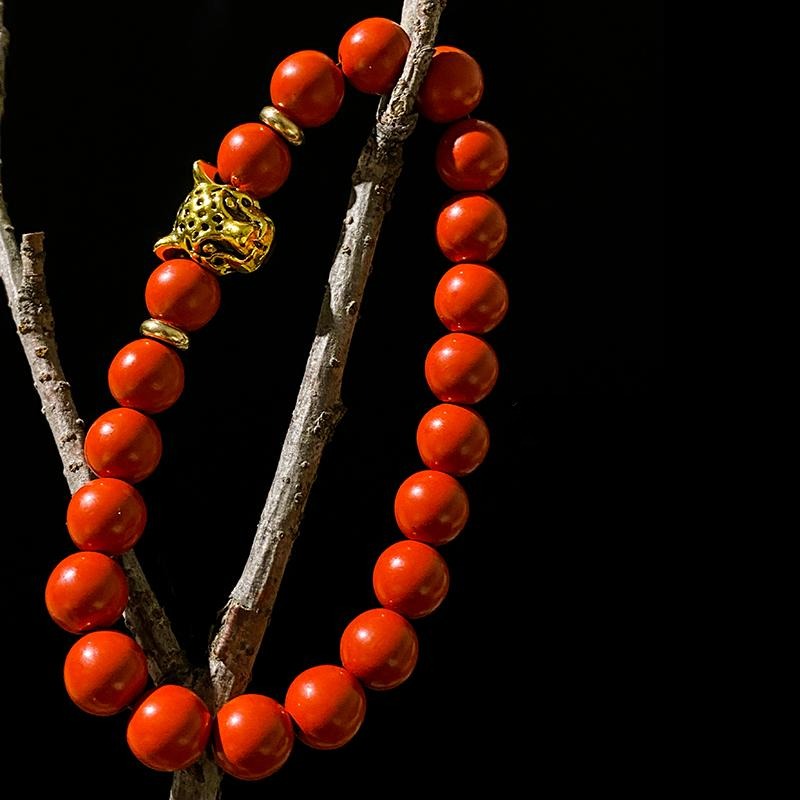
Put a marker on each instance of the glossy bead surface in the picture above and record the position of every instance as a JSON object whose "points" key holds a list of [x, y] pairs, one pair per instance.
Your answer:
{"points": [[453, 86], [380, 648], [431, 506], [472, 227], [471, 297], [169, 729], [452, 439], [461, 368], [471, 156], [254, 159], [308, 87], [327, 704], [85, 591], [124, 444], [182, 293], [104, 672], [253, 737], [146, 375], [107, 515], [372, 54], [410, 578]]}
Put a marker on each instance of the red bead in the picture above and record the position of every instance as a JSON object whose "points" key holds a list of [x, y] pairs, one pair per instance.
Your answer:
{"points": [[308, 87], [471, 297], [104, 672], [380, 648], [328, 705], [85, 591], [461, 368], [107, 515], [411, 578], [146, 375], [124, 444], [471, 156], [183, 294], [431, 506], [471, 228], [169, 729], [253, 737], [372, 54], [452, 439], [453, 86], [254, 159]]}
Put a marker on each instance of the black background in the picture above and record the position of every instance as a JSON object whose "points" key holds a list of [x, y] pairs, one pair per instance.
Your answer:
{"points": [[535, 669]]}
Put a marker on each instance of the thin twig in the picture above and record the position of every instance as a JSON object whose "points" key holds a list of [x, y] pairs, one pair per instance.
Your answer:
{"points": [[22, 273], [319, 407]]}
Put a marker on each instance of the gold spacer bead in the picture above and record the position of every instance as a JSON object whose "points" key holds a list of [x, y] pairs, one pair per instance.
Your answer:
{"points": [[279, 122], [164, 332]]}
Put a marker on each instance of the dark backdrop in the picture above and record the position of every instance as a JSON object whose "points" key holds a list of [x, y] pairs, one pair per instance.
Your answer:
{"points": [[535, 669]]}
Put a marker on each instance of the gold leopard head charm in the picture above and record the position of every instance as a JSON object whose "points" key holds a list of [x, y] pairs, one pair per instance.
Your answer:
{"points": [[219, 227]]}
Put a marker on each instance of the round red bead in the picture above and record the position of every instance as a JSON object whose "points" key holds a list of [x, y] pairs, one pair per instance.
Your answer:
{"points": [[471, 297], [453, 86], [471, 156], [182, 293], [146, 375], [85, 591], [107, 515], [471, 228], [169, 729], [380, 648], [124, 444], [308, 87], [254, 159], [104, 672], [327, 704], [372, 54], [452, 439], [253, 737], [461, 368], [431, 506], [411, 578]]}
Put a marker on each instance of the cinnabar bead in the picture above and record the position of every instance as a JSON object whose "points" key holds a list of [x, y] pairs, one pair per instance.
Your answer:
{"points": [[85, 591], [380, 648], [253, 737], [471, 156], [146, 375], [461, 368], [453, 86], [327, 704], [472, 227], [372, 54], [182, 293], [411, 578], [169, 729], [124, 444], [254, 159], [107, 515], [431, 506], [452, 439], [308, 87], [104, 672], [471, 297]]}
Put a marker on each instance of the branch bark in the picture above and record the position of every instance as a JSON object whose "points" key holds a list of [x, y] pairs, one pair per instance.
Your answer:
{"points": [[22, 273], [319, 408]]}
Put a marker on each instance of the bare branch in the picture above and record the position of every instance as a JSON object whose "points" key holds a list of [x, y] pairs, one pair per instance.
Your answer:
{"points": [[318, 407], [22, 273]]}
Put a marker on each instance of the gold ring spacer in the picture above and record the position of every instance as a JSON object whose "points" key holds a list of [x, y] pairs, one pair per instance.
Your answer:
{"points": [[279, 122], [164, 332]]}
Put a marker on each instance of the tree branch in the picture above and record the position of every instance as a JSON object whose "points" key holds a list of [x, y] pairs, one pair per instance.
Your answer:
{"points": [[319, 408], [22, 273]]}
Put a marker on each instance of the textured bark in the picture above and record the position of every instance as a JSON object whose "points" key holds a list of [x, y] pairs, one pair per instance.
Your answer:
{"points": [[319, 407]]}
